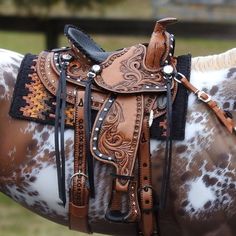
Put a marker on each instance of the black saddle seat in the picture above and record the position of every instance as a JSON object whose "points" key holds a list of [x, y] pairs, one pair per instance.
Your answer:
{"points": [[85, 44]]}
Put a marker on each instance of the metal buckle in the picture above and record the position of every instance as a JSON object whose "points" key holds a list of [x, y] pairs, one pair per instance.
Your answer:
{"points": [[91, 74], [199, 95], [80, 173], [179, 80]]}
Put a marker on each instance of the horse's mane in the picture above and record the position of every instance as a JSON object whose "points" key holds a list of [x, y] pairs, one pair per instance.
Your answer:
{"points": [[215, 62]]}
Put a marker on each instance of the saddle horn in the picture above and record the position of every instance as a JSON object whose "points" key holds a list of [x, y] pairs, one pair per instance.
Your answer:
{"points": [[157, 44]]}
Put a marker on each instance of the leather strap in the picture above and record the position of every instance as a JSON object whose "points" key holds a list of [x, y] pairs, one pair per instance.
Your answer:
{"points": [[59, 133], [147, 225], [79, 192], [223, 116]]}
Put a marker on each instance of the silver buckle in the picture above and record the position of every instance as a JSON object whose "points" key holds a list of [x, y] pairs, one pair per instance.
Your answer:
{"points": [[179, 81], [91, 74], [80, 173], [199, 96]]}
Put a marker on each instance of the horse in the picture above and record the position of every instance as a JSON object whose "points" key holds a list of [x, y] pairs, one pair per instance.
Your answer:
{"points": [[202, 196]]}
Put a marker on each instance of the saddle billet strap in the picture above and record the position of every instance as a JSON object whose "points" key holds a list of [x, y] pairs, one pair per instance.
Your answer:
{"points": [[147, 225], [79, 192], [224, 117]]}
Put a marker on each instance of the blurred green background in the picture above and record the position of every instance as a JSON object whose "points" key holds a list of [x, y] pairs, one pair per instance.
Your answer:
{"points": [[34, 43], [15, 220]]}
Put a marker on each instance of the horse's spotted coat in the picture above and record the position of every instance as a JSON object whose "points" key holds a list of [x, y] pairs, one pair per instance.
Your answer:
{"points": [[203, 177]]}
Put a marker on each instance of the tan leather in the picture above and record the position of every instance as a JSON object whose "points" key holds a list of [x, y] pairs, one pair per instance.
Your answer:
{"points": [[128, 86], [79, 193], [78, 218], [116, 133], [131, 74], [221, 115], [157, 50], [147, 224], [48, 73]]}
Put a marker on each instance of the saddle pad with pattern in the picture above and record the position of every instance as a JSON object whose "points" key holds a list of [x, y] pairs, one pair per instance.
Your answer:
{"points": [[32, 101]]}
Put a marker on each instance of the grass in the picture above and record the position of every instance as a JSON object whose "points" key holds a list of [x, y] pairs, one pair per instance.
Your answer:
{"points": [[14, 219], [34, 43], [22, 42], [17, 221]]}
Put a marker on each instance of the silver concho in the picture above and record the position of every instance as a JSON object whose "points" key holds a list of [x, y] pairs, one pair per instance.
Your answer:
{"points": [[168, 69]]}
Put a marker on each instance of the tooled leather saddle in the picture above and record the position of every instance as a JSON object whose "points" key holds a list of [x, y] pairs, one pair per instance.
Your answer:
{"points": [[111, 100], [123, 87]]}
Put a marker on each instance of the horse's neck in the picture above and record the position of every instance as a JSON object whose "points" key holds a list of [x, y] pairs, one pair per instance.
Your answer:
{"points": [[216, 75]]}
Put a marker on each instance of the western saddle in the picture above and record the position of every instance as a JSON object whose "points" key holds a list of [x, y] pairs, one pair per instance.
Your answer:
{"points": [[122, 89]]}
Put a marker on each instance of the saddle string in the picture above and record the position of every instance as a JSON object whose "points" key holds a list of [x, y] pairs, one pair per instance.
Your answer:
{"points": [[88, 124], [168, 146], [59, 131]]}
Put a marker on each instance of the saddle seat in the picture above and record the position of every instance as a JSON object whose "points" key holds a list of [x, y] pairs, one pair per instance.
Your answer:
{"points": [[83, 43]]}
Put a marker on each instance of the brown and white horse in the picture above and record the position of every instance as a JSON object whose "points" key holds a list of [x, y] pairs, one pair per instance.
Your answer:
{"points": [[202, 198]]}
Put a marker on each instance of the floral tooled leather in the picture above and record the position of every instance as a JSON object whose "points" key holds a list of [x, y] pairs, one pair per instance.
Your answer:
{"points": [[115, 140], [131, 75]]}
